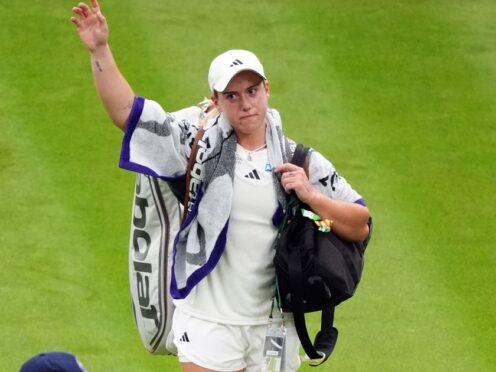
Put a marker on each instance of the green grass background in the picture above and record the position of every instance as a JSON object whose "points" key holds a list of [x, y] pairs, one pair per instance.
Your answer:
{"points": [[401, 95]]}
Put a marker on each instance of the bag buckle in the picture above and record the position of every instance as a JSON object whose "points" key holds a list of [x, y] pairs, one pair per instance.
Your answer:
{"points": [[313, 362]]}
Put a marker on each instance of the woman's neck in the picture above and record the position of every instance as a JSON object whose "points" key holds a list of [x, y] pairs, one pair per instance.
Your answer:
{"points": [[251, 142]]}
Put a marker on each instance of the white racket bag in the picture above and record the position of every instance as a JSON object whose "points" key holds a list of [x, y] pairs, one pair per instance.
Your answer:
{"points": [[155, 223]]}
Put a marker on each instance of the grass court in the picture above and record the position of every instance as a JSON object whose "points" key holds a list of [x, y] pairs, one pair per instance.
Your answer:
{"points": [[400, 95]]}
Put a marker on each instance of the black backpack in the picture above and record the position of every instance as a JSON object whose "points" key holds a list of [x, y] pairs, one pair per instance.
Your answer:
{"points": [[315, 271]]}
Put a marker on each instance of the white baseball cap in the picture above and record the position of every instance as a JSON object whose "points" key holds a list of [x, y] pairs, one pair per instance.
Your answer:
{"points": [[226, 65]]}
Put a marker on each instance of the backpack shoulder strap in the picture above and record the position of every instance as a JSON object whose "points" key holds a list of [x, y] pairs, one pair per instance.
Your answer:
{"points": [[300, 156]]}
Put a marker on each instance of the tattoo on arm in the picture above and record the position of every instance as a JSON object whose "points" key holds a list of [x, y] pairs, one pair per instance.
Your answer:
{"points": [[129, 105], [98, 66]]}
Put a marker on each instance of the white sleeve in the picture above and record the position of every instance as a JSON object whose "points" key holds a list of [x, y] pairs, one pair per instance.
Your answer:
{"points": [[326, 179], [158, 143]]}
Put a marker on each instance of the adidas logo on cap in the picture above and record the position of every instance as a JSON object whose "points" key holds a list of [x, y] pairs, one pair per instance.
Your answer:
{"points": [[236, 62]]}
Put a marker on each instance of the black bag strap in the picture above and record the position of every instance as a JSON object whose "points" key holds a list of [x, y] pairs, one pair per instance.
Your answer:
{"points": [[208, 112], [300, 156], [326, 338]]}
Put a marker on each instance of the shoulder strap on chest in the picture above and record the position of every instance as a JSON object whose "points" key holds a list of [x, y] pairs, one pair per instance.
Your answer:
{"points": [[206, 115]]}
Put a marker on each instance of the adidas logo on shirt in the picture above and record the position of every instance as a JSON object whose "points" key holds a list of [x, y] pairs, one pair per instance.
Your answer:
{"points": [[184, 337], [253, 175]]}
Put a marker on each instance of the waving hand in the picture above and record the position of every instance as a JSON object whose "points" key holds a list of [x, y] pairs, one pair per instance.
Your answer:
{"points": [[91, 25]]}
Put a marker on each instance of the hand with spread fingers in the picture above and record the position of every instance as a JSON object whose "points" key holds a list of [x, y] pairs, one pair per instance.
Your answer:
{"points": [[91, 25]]}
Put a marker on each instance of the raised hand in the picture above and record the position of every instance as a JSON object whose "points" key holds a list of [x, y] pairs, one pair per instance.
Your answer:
{"points": [[91, 25]]}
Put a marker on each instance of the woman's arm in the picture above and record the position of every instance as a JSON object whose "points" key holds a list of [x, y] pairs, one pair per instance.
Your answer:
{"points": [[113, 89], [350, 220]]}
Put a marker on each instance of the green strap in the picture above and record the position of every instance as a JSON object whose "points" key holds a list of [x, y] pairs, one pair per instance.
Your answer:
{"points": [[309, 214]]}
